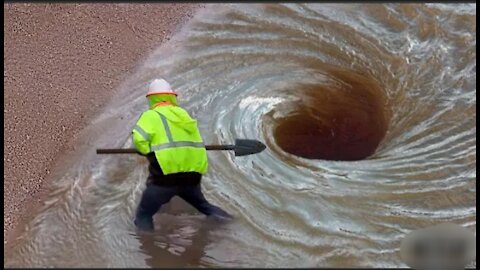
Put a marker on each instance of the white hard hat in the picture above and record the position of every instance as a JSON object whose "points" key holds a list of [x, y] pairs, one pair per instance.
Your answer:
{"points": [[160, 86]]}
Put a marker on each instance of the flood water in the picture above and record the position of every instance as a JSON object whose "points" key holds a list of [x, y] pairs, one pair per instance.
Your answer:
{"points": [[368, 113]]}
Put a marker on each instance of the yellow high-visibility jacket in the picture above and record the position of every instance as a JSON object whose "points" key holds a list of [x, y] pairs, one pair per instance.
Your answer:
{"points": [[173, 136]]}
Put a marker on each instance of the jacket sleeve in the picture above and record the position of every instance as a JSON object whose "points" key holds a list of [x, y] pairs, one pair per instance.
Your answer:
{"points": [[142, 134]]}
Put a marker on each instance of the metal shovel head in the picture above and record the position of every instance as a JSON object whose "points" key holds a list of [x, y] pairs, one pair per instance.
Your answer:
{"points": [[244, 147]]}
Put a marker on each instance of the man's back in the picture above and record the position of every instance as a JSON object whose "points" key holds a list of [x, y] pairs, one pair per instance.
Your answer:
{"points": [[173, 136]]}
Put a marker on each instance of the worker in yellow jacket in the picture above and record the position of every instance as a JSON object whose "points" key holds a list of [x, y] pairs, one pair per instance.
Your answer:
{"points": [[171, 141]]}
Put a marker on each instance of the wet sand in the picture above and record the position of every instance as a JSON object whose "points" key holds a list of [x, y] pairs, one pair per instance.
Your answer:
{"points": [[62, 62]]}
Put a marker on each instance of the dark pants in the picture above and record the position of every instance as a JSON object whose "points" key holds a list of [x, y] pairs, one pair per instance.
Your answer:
{"points": [[158, 193]]}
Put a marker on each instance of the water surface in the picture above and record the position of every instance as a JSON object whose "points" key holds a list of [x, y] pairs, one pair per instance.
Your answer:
{"points": [[368, 112]]}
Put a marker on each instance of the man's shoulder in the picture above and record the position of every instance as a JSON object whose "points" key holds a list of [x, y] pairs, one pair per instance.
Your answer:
{"points": [[147, 113], [175, 112]]}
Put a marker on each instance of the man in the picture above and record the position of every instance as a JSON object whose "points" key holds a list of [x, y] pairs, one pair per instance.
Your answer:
{"points": [[172, 143]]}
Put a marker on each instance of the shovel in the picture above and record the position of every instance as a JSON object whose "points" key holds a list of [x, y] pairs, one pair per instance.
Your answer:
{"points": [[242, 147]]}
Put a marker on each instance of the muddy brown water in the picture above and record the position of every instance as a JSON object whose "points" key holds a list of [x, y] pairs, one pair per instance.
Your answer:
{"points": [[368, 112], [334, 122]]}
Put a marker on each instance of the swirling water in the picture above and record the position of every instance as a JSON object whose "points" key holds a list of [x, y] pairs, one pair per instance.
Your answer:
{"points": [[368, 112]]}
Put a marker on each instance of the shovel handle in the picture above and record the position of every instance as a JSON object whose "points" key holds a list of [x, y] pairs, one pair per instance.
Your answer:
{"points": [[220, 147], [134, 151], [118, 151]]}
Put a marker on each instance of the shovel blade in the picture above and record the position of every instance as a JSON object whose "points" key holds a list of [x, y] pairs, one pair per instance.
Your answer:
{"points": [[244, 147]]}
